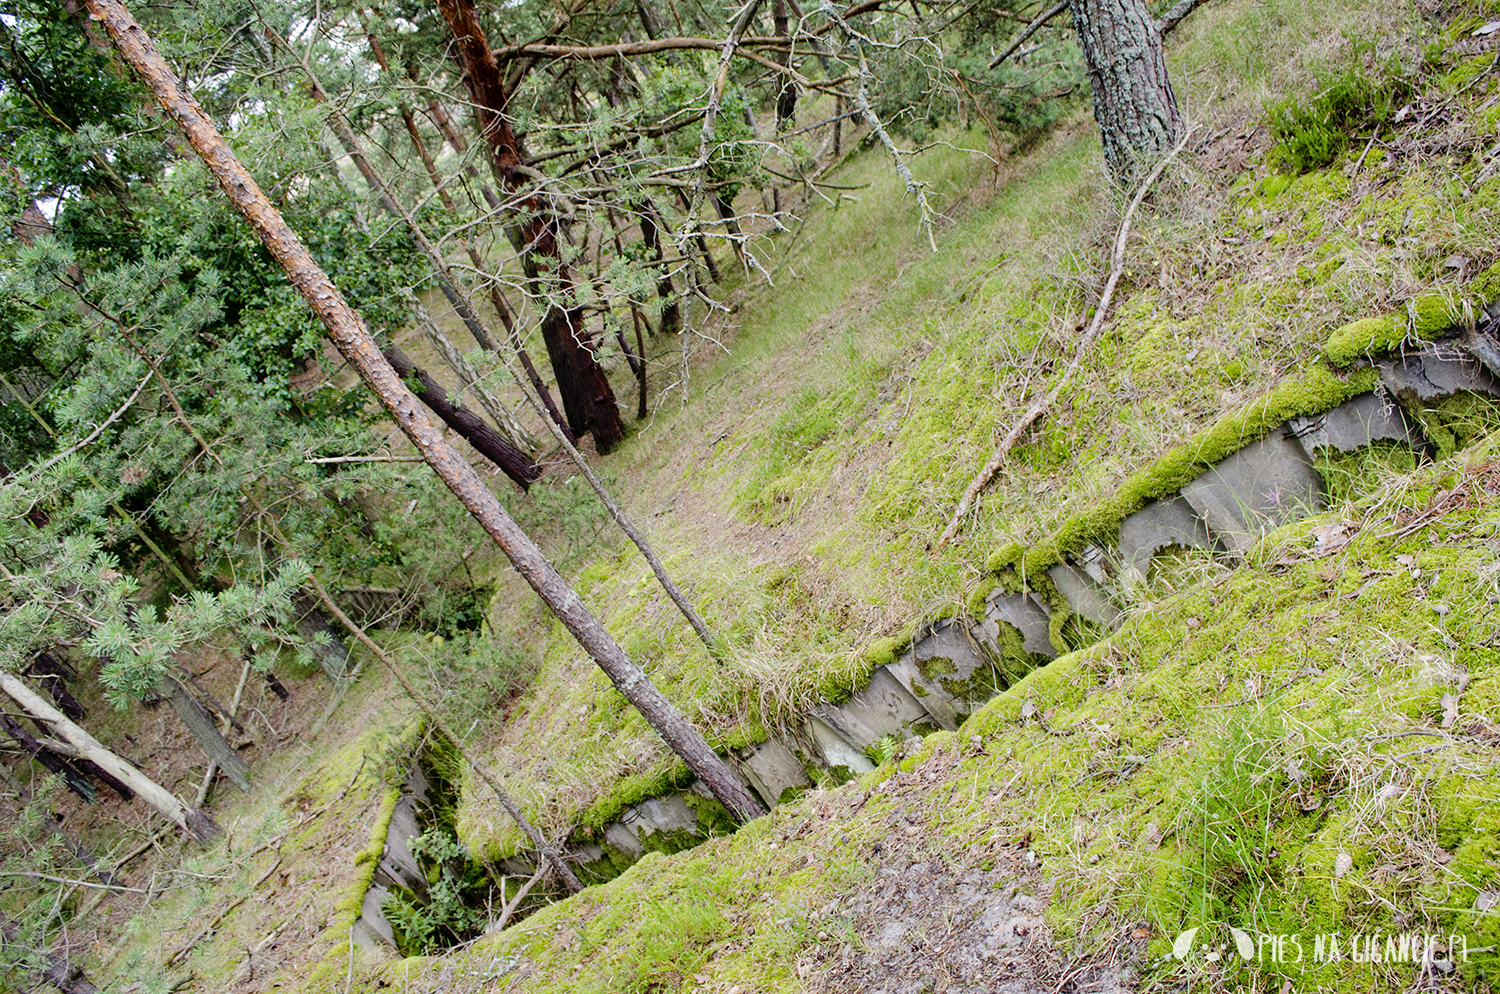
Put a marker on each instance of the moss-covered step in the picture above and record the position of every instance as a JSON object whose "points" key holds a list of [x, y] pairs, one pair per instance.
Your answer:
{"points": [[1435, 371], [773, 770], [1084, 588], [666, 824], [834, 753], [1354, 424], [882, 708], [398, 866], [1027, 625], [1162, 524], [1269, 483], [937, 668]]}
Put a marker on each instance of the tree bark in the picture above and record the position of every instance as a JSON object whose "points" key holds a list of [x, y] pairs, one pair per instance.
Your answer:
{"points": [[587, 398], [197, 720], [497, 300], [1133, 99], [651, 223], [1175, 14], [786, 99], [474, 429], [352, 338], [276, 688], [197, 824], [53, 675]]}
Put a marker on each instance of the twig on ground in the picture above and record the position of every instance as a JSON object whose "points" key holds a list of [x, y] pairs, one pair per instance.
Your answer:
{"points": [[202, 934], [1040, 406], [509, 908]]}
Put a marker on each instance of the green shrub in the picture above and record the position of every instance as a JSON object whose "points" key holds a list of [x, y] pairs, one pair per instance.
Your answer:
{"points": [[1358, 102], [454, 909]]}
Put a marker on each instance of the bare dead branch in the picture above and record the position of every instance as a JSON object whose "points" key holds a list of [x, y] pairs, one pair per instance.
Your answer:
{"points": [[1030, 30], [1040, 406], [1174, 16]]}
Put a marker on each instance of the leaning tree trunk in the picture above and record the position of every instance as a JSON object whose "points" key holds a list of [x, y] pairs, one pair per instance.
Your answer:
{"points": [[1133, 99], [786, 98], [197, 824], [330, 653], [54, 764], [352, 338], [474, 429], [588, 399]]}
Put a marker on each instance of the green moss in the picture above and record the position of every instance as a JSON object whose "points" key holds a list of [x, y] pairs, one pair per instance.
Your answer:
{"points": [[977, 601], [883, 652], [1457, 421], [347, 908], [1365, 337], [934, 667], [632, 790], [1427, 316], [713, 817], [613, 862], [1350, 475], [1313, 390]]}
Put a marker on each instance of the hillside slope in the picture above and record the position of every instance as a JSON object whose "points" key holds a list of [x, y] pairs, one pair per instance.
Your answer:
{"points": [[1294, 741]]}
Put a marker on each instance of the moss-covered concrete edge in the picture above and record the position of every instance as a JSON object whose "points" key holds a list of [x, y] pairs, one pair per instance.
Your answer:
{"points": [[1314, 389], [1427, 316], [347, 910]]}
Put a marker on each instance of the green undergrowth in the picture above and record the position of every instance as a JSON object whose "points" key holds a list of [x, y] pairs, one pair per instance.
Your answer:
{"points": [[1310, 133], [1314, 391], [1301, 746], [376, 762], [297, 855], [1304, 745], [863, 391]]}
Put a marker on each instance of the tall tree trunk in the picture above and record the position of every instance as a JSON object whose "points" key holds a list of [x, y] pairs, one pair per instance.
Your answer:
{"points": [[496, 299], [587, 398], [786, 99], [1133, 98], [652, 224], [196, 823], [386, 197], [352, 338]]}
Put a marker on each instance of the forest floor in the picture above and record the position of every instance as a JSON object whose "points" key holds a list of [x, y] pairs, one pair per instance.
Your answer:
{"points": [[1250, 750]]}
